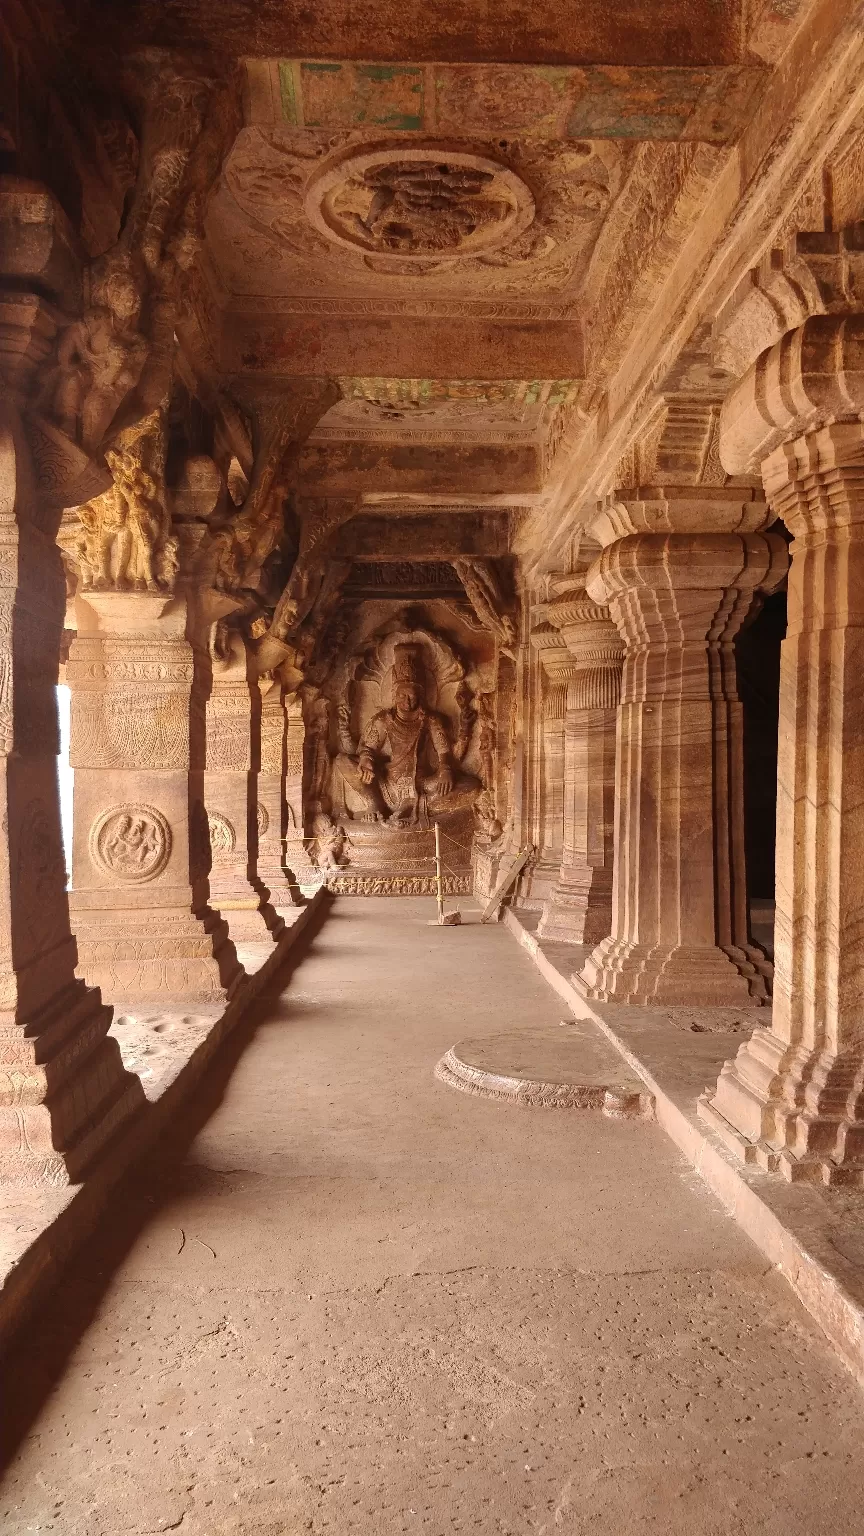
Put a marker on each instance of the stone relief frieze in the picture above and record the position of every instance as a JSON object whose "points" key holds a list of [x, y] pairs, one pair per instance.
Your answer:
{"points": [[131, 842], [130, 727]]}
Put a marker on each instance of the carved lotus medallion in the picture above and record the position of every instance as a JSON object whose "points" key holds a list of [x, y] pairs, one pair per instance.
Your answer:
{"points": [[410, 204], [131, 842], [223, 838]]}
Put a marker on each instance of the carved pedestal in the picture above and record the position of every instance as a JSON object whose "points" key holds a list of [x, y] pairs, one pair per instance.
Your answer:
{"points": [[579, 910], [274, 815], [233, 726], [678, 921], [64, 1092], [793, 1097], [139, 892]]}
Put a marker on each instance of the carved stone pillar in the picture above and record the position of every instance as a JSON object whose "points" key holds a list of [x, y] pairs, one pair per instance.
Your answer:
{"points": [[679, 932], [233, 755], [548, 664], [139, 894], [64, 1092], [579, 910], [296, 857], [793, 1097], [273, 814]]}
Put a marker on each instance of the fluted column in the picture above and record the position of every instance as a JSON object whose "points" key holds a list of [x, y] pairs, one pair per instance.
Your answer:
{"points": [[793, 1097], [678, 599], [579, 910]]}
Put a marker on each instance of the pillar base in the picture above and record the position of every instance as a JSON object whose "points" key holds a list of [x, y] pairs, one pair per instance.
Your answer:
{"points": [[791, 1111], [249, 915], [579, 911], [67, 1092], [284, 893], [675, 976], [166, 958]]}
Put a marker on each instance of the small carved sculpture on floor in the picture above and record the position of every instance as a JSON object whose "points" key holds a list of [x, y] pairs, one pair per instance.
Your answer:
{"points": [[405, 769], [489, 828], [328, 849]]}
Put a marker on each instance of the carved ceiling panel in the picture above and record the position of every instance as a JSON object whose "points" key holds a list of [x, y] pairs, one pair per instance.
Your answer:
{"points": [[309, 213]]}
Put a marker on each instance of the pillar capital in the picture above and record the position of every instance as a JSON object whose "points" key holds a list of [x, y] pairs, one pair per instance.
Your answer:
{"points": [[679, 509], [813, 377], [685, 562]]}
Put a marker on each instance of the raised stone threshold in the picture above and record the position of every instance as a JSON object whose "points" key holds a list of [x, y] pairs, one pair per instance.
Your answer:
{"points": [[42, 1227], [547, 1068], [814, 1235]]}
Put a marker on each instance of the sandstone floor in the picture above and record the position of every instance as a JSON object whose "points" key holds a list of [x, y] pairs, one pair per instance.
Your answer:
{"points": [[354, 1300]]}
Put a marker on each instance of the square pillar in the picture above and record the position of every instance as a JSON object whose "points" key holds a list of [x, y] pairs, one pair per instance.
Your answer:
{"points": [[275, 817], [232, 762], [64, 1092], [579, 910], [139, 889]]}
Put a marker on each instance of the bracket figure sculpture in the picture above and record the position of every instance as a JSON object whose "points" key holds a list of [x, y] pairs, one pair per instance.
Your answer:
{"points": [[405, 769], [125, 541]]}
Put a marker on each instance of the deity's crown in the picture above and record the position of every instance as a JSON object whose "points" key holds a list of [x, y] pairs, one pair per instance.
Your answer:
{"points": [[408, 667]]}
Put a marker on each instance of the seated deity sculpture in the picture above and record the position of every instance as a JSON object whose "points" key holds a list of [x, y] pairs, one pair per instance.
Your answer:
{"points": [[404, 770]]}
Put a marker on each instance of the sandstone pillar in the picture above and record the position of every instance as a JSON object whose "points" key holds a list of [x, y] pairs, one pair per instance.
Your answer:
{"points": [[274, 816], [679, 921], [64, 1092], [233, 756], [793, 1097], [579, 910], [139, 892], [548, 752]]}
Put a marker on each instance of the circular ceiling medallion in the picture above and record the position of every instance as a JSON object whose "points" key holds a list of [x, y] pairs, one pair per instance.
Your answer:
{"points": [[407, 203]]}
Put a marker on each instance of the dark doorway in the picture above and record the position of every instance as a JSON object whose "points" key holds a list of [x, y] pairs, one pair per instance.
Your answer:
{"points": [[758, 657]]}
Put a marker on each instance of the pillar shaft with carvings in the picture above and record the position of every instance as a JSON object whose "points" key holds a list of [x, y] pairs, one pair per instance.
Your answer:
{"points": [[232, 758], [679, 922], [64, 1093], [274, 816], [793, 1097], [579, 910], [139, 893]]}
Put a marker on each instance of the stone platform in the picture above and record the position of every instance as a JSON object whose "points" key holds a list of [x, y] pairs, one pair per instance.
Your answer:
{"points": [[814, 1235], [383, 860], [567, 1066]]}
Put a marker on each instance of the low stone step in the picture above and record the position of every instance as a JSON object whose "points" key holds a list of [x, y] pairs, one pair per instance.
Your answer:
{"points": [[563, 1066]]}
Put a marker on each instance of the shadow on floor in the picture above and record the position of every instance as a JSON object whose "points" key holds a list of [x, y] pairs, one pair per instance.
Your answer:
{"points": [[38, 1358]]}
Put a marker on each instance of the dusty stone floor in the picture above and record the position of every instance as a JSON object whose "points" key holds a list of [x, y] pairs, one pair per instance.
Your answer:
{"points": [[354, 1300]]}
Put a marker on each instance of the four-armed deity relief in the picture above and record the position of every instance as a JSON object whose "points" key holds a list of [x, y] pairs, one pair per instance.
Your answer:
{"points": [[405, 769]]}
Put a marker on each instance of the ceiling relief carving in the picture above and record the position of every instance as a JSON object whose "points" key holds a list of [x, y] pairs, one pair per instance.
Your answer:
{"points": [[411, 203], [346, 214]]}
